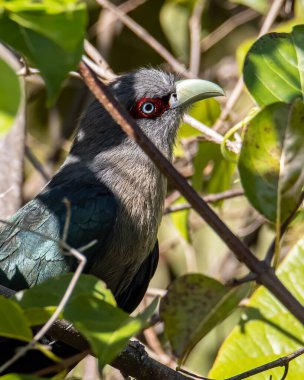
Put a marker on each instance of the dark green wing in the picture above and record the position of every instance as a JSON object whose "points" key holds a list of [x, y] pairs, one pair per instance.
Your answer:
{"points": [[27, 258]]}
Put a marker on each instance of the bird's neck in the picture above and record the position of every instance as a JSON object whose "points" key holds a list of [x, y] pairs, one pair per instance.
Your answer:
{"points": [[136, 183], [132, 177]]}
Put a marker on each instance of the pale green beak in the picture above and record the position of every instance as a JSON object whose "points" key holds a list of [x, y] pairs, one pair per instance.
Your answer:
{"points": [[189, 91]]}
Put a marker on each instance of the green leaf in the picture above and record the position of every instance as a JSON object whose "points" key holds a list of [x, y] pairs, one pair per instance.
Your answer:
{"points": [[36, 316], [176, 13], [200, 300], [49, 34], [220, 171], [267, 330], [261, 6], [37, 307], [107, 328], [17, 376], [180, 219], [13, 323], [10, 96], [149, 310], [271, 159], [274, 67]]}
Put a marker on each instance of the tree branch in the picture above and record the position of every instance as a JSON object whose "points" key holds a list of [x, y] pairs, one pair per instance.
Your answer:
{"points": [[195, 33], [210, 198], [227, 27]]}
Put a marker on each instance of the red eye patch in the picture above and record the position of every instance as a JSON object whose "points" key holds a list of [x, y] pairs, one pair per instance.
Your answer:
{"points": [[149, 108]]}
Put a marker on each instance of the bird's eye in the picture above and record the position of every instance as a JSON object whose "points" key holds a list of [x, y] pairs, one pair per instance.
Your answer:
{"points": [[148, 107]]}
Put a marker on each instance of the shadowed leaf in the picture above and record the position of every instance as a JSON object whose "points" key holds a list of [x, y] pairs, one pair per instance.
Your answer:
{"points": [[54, 50], [271, 159], [194, 305], [13, 323], [274, 67]]}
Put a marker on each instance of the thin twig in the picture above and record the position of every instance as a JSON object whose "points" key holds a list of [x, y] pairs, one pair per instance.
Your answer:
{"points": [[182, 370], [227, 27], [156, 349], [236, 92], [210, 198], [126, 7], [154, 292], [210, 134], [67, 219], [99, 60], [99, 70], [35, 162], [28, 71], [146, 36], [281, 362], [64, 364], [265, 274], [195, 32], [284, 227]]}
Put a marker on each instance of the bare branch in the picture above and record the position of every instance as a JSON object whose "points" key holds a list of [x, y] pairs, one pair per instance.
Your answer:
{"points": [[195, 33], [126, 7], [210, 134], [182, 370], [281, 362], [102, 64], [227, 27], [28, 71], [35, 162], [63, 365], [210, 198], [265, 274], [146, 36], [283, 229]]}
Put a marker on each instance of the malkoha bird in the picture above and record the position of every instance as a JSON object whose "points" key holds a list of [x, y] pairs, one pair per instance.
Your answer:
{"points": [[115, 191]]}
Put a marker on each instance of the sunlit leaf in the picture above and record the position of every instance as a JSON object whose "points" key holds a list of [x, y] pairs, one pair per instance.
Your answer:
{"points": [[267, 330], [271, 159], [13, 323], [38, 307], [261, 6], [180, 219], [212, 172], [193, 305], [10, 96], [49, 34], [107, 328], [274, 67]]}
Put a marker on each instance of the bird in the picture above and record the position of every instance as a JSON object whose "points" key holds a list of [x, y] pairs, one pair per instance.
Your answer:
{"points": [[116, 193]]}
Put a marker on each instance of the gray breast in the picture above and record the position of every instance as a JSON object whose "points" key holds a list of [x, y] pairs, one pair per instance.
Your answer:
{"points": [[140, 191]]}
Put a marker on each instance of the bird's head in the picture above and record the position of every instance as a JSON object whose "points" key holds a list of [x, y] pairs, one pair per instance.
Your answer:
{"points": [[155, 99]]}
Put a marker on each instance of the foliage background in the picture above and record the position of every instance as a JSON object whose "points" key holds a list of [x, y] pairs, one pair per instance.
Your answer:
{"points": [[186, 243]]}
